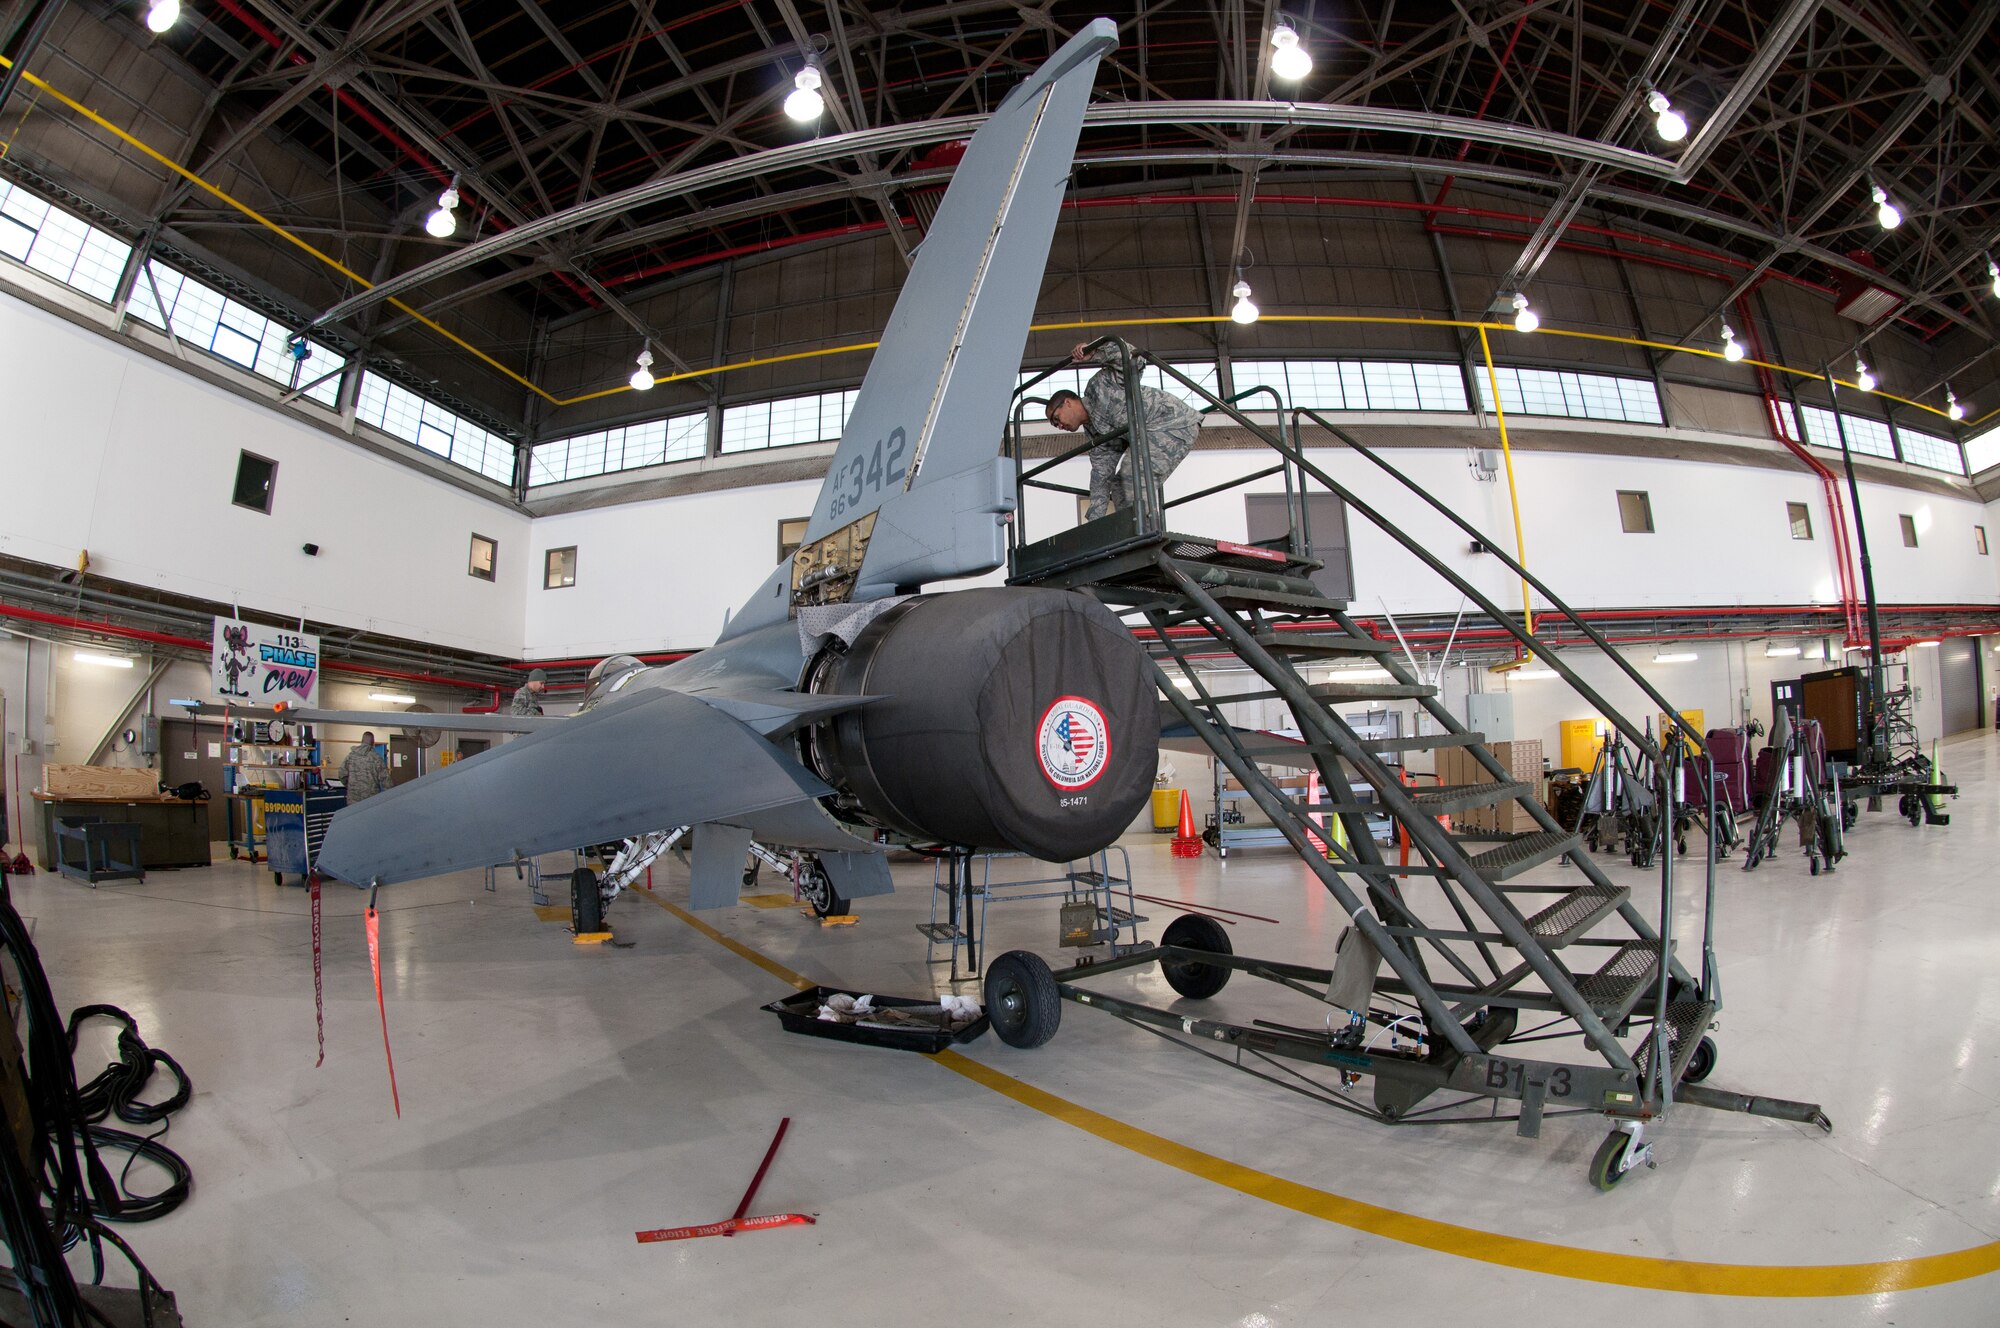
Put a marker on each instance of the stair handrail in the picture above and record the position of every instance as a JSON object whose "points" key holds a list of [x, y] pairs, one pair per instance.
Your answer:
{"points": [[1546, 653]]}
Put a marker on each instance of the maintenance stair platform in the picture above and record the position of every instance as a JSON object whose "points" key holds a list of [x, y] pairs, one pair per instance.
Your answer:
{"points": [[1481, 930]]}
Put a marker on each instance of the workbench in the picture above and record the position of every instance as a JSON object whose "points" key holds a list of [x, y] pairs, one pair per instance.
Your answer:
{"points": [[173, 832]]}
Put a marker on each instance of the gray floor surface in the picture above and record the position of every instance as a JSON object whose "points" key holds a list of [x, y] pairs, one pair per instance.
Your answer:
{"points": [[557, 1098]]}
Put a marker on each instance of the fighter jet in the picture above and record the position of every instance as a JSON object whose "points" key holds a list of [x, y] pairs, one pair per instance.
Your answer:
{"points": [[844, 711]]}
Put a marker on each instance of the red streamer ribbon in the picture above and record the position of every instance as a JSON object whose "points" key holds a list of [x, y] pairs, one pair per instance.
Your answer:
{"points": [[319, 994], [736, 1222], [727, 1228], [374, 920]]}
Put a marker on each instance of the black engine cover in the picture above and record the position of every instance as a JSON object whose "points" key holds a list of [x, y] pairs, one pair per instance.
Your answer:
{"points": [[1010, 718]]}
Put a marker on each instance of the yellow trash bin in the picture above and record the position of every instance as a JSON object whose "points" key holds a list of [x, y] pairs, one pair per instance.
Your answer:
{"points": [[1166, 811]]}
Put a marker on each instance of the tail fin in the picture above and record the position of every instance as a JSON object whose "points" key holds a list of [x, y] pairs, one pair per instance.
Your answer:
{"points": [[934, 402]]}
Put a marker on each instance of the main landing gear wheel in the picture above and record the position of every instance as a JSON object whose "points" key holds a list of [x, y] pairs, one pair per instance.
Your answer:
{"points": [[816, 888], [1192, 978], [1022, 1000], [1702, 1063], [586, 905]]}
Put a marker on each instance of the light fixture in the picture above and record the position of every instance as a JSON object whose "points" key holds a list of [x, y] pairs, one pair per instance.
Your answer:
{"points": [[804, 104], [104, 661], [396, 698], [1930, 645], [1670, 125], [1532, 675], [163, 15], [1863, 378], [1676, 657], [642, 377], [1951, 406], [1289, 60], [1993, 271], [1780, 652], [1886, 212], [1525, 319], [443, 222], [1244, 310], [1730, 350]]}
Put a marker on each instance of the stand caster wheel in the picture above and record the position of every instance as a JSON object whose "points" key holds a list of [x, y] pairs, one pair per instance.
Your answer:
{"points": [[1022, 999], [1609, 1166], [1701, 1063]]}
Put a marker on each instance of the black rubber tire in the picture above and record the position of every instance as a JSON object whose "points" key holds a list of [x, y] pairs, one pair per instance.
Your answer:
{"points": [[1022, 1001], [586, 905], [1604, 1173], [1850, 814], [1194, 980], [750, 873], [1702, 1063], [816, 888]]}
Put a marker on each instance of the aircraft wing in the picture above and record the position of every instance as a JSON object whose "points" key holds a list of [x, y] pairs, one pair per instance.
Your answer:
{"points": [[661, 758], [425, 719]]}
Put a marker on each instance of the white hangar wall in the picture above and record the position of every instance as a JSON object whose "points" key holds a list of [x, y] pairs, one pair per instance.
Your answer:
{"points": [[111, 451]]}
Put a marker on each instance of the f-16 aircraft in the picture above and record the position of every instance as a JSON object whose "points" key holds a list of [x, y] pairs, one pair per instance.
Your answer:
{"points": [[844, 711]]}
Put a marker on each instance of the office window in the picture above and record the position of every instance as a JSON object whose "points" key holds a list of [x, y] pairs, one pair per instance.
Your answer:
{"points": [[485, 553], [1801, 520], [1635, 511], [1979, 538], [791, 534], [559, 568], [255, 477], [1909, 530]]}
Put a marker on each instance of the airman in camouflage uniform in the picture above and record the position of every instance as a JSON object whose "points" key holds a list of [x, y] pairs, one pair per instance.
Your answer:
{"points": [[364, 771], [1171, 426], [528, 696]]}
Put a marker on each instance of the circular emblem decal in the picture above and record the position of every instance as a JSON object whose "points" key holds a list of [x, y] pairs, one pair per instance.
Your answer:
{"points": [[1074, 743]]}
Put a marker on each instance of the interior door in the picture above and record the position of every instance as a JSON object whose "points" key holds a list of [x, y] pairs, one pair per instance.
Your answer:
{"points": [[1959, 689], [191, 751], [403, 760]]}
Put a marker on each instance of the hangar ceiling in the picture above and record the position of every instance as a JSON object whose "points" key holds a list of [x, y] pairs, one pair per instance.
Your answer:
{"points": [[604, 149]]}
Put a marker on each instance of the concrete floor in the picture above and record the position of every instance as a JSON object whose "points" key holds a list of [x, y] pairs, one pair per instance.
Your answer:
{"points": [[557, 1099]]}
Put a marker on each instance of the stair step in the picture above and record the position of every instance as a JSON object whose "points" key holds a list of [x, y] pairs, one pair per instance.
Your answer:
{"points": [[1575, 913], [1686, 1021], [1456, 797], [1371, 691], [1422, 742], [1518, 854], [1614, 989], [1322, 644]]}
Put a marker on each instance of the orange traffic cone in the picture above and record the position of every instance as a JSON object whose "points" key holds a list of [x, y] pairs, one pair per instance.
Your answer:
{"points": [[1187, 844]]}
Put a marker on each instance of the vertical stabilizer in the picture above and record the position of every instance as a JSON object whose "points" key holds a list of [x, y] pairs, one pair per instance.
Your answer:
{"points": [[933, 405]]}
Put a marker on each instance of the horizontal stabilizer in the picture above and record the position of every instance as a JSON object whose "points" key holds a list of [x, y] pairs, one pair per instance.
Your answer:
{"points": [[658, 760]]}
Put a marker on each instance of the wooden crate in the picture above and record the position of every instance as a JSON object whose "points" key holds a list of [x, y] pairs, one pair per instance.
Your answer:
{"points": [[99, 781]]}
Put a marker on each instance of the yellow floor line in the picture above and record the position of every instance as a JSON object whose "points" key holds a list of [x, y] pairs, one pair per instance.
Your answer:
{"points": [[1633, 1270]]}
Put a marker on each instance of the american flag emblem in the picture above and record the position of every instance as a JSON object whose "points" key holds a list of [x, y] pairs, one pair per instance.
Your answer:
{"points": [[1074, 742], [1076, 738]]}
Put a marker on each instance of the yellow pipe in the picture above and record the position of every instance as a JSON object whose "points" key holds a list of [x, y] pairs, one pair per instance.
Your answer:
{"points": [[552, 399], [1513, 498]]}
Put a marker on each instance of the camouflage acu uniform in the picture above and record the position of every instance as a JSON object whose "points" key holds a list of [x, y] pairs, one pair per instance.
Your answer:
{"points": [[524, 702], [365, 773], [1171, 426]]}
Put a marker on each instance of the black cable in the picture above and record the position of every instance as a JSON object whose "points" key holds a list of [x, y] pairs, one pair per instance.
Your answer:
{"points": [[77, 1191]]}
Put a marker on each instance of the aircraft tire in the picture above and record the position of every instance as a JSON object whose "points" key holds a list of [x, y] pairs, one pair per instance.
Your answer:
{"points": [[586, 905], [1022, 1000]]}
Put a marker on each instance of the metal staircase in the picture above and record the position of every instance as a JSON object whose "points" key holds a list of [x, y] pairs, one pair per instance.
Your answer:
{"points": [[1480, 936]]}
